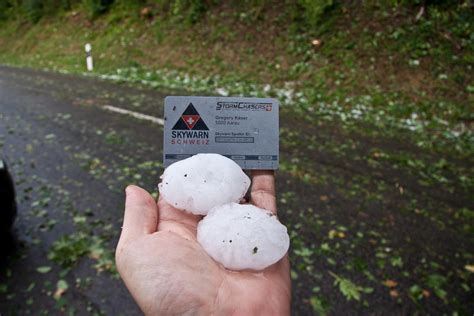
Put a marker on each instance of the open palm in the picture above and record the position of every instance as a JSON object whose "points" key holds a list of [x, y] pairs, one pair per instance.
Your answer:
{"points": [[169, 273]]}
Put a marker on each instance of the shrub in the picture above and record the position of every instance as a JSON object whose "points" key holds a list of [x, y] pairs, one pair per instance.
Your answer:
{"points": [[97, 7], [188, 10], [314, 9], [33, 9], [4, 8]]}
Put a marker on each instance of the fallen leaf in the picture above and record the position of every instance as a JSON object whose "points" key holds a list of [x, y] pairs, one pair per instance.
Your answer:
{"points": [[334, 233], [394, 293], [316, 42], [469, 267], [61, 288], [96, 254], [426, 293], [390, 283], [146, 12], [44, 269]]}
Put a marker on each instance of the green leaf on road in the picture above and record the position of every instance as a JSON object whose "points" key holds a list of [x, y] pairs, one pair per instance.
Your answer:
{"points": [[43, 269], [349, 289], [61, 288], [319, 305]]}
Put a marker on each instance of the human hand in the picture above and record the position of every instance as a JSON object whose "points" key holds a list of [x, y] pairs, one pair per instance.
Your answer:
{"points": [[169, 273]]}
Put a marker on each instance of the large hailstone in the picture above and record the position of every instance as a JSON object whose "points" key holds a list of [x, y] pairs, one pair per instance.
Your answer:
{"points": [[201, 182], [243, 236]]}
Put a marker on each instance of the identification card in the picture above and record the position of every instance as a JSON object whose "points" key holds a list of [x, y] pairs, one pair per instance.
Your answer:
{"points": [[242, 129]]}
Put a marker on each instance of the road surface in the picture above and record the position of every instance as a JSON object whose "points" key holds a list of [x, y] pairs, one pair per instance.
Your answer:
{"points": [[367, 237]]}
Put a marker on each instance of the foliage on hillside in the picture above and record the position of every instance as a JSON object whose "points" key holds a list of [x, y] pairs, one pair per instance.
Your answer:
{"points": [[190, 10], [392, 61], [307, 13]]}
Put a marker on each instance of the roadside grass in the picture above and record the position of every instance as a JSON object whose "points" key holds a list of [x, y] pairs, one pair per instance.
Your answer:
{"points": [[386, 70]]}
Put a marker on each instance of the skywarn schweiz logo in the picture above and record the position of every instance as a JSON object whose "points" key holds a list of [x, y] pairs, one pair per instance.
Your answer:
{"points": [[190, 129]]}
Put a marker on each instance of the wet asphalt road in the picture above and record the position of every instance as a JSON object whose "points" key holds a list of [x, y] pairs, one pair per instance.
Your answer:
{"points": [[71, 160], [56, 138]]}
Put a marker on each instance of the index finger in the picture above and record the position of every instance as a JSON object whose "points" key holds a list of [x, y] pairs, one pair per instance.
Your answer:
{"points": [[262, 193]]}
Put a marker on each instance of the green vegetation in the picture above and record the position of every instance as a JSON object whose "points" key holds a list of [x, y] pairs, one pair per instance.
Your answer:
{"points": [[376, 127], [393, 66]]}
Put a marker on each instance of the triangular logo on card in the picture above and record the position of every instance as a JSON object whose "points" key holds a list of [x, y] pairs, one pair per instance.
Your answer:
{"points": [[190, 120]]}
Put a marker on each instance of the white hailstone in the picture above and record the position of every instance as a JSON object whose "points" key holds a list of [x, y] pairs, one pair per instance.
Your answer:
{"points": [[201, 182], [243, 236]]}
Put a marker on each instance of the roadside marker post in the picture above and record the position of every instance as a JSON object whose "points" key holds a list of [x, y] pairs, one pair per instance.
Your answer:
{"points": [[88, 48]]}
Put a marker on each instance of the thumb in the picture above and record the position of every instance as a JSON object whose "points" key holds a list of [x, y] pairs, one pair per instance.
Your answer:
{"points": [[141, 214]]}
